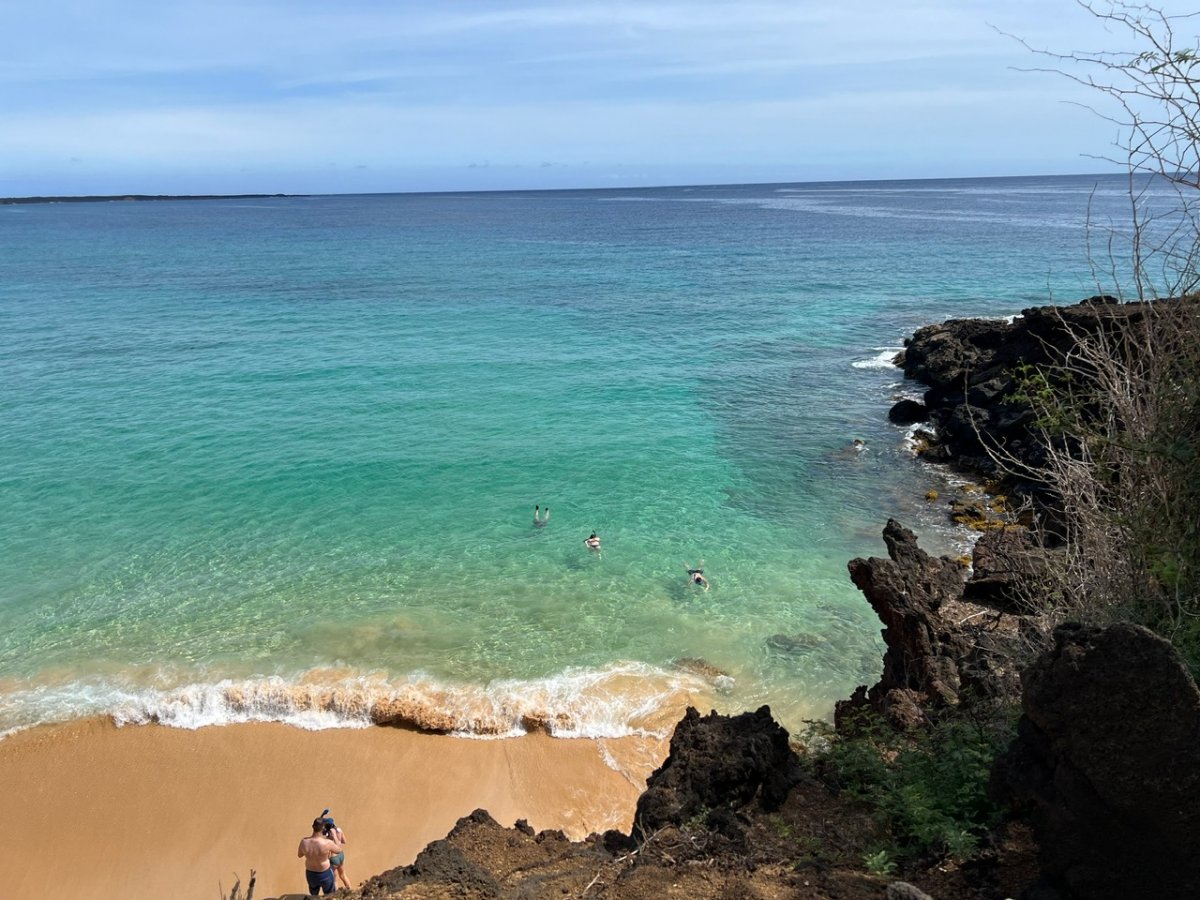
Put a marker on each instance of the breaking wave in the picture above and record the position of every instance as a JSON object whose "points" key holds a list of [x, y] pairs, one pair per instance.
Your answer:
{"points": [[616, 701], [884, 359]]}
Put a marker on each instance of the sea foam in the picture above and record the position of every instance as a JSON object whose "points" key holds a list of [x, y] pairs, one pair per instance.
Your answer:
{"points": [[615, 701], [884, 359]]}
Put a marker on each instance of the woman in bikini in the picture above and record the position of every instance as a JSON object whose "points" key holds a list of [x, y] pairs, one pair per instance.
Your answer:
{"points": [[337, 862]]}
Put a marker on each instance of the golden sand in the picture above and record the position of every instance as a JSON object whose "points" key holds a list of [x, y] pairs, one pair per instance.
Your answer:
{"points": [[99, 811]]}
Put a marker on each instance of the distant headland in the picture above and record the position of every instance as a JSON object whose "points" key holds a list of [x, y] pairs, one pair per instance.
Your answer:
{"points": [[110, 198]]}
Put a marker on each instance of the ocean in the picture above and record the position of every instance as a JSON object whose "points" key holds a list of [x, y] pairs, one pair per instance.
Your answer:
{"points": [[278, 459]]}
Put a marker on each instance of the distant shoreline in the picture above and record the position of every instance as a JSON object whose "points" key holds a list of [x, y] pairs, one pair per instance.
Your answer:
{"points": [[111, 198]]}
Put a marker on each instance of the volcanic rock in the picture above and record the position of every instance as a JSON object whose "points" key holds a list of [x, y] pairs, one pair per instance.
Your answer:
{"points": [[920, 666], [1107, 759], [718, 763]]}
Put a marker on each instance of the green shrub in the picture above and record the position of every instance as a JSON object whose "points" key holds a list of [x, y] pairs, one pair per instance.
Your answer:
{"points": [[927, 789], [880, 863]]}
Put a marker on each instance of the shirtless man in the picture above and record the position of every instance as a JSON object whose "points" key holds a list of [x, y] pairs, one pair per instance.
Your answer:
{"points": [[316, 851]]}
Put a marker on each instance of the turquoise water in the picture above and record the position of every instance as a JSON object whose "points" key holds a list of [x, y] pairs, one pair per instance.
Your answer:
{"points": [[278, 459]]}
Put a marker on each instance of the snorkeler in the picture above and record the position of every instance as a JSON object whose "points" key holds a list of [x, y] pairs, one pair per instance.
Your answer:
{"points": [[540, 518], [696, 576], [593, 542], [856, 449]]}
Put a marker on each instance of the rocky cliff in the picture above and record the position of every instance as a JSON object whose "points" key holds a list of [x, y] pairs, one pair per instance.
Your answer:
{"points": [[976, 373]]}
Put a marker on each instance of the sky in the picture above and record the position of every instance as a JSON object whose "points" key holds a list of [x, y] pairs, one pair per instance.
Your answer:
{"points": [[346, 96]]}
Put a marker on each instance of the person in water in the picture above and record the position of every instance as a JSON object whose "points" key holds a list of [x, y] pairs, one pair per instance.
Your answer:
{"points": [[856, 449], [696, 576], [593, 542], [540, 518]]}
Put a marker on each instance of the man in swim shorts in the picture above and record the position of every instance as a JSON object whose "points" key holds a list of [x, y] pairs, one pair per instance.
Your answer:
{"points": [[696, 576], [317, 850]]}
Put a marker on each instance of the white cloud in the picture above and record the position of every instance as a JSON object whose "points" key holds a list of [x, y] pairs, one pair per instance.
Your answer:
{"points": [[133, 83]]}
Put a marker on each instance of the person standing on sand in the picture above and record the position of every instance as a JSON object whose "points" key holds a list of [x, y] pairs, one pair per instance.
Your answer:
{"points": [[317, 850], [338, 860]]}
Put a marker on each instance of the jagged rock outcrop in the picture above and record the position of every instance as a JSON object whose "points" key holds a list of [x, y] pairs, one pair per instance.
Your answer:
{"points": [[972, 368], [716, 765], [921, 664], [1107, 759], [481, 859]]}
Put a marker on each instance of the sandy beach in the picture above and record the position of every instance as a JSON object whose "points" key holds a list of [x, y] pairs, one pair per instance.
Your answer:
{"points": [[151, 811]]}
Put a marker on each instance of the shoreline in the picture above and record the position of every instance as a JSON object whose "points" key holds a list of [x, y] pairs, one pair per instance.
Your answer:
{"points": [[113, 198], [150, 810], [613, 701]]}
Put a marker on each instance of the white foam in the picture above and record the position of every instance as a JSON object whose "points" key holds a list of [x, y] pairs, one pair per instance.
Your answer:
{"points": [[906, 390], [885, 359], [615, 701], [909, 441], [342, 705]]}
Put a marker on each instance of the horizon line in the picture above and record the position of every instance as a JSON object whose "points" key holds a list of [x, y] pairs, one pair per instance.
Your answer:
{"points": [[148, 197]]}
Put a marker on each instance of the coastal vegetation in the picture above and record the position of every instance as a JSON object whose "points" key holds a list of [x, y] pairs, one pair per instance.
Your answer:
{"points": [[927, 788], [1117, 407], [1119, 418], [1095, 428]]}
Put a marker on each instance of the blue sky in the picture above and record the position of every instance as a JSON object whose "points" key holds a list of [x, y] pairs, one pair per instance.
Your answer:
{"points": [[298, 96]]}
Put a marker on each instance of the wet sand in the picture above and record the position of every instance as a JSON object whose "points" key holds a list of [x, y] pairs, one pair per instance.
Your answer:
{"points": [[100, 811]]}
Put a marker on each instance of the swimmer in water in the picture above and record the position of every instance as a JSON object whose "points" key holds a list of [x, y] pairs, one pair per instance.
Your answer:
{"points": [[541, 518], [696, 576], [854, 450], [593, 542]]}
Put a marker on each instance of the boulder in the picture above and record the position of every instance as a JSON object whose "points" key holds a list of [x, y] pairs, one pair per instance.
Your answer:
{"points": [[902, 890], [908, 412], [716, 763], [1107, 762]]}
